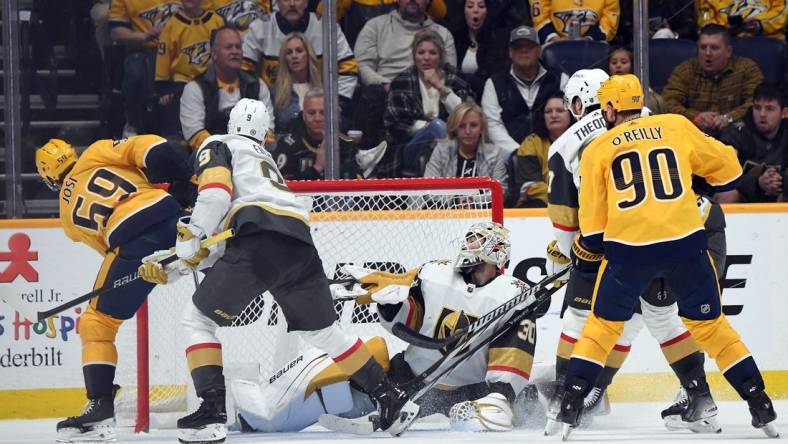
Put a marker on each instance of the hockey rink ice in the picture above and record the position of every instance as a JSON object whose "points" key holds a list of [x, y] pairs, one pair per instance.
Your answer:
{"points": [[628, 422]]}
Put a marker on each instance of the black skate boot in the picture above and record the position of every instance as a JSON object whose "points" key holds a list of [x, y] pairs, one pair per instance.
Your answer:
{"points": [[396, 411], [95, 424], [207, 424], [553, 407], [693, 409], [761, 409], [572, 406], [595, 403]]}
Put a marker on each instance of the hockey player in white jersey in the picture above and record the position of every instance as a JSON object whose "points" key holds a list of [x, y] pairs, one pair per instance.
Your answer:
{"points": [[443, 296], [241, 188], [657, 305]]}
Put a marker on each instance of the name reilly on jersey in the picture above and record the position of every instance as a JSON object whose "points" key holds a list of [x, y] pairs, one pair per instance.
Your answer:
{"points": [[653, 133]]}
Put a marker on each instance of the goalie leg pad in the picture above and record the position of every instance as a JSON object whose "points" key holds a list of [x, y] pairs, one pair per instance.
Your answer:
{"points": [[490, 413]]}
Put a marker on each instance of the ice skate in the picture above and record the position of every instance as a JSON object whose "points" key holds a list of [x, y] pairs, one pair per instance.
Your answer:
{"points": [[552, 427], [207, 424], [95, 424], [397, 412], [761, 409], [695, 411], [572, 405]]}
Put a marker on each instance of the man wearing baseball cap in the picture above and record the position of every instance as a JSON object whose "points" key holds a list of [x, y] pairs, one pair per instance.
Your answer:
{"points": [[511, 96]]}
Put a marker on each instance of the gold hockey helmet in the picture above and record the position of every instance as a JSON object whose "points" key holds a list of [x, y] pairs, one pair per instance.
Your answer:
{"points": [[54, 160], [623, 92]]}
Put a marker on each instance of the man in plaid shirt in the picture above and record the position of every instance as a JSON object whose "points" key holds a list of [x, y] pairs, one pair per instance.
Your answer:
{"points": [[715, 88]]}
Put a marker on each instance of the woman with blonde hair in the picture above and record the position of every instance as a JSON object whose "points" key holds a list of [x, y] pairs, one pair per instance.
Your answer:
{"points": [[467, 152], [298, 72], [420, 98]]}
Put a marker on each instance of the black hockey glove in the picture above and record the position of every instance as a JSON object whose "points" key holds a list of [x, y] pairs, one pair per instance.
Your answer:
{"points": [[585, 261]]}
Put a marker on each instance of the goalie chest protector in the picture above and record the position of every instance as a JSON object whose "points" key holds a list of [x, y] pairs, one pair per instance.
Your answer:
{"points": [[449, 304]]}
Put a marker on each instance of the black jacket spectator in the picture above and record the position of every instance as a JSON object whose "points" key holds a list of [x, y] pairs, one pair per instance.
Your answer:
{"points": [[295, 155], [404, 105], [756, 153]]}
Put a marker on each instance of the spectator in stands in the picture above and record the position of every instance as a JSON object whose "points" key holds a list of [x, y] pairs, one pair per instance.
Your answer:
{"points": [[240, 13], [467, 152], [383, 50], [568, 20], [421, 98], [502, 15], [137, 25], [619, 61], [297, 73], [761, 141], [262, 43], [481, 48], [184, 51], [510, 96], [207, 100], [743, 19], [530, 175], [716, 87], [353, 14], [301, 156]]}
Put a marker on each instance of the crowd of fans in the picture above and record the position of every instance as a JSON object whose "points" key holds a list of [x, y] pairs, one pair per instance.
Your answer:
{"points": [[436, 88]]}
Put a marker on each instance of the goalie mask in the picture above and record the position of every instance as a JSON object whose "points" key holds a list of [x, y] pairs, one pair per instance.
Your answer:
{"points": [[486, 242]]}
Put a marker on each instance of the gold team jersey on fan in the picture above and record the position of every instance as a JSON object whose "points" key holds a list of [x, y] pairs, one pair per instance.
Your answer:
{"points": [[772, 14], [142, 15], [636, 186], [106, 198], [185, 47], [552, 16], [240, 13]]}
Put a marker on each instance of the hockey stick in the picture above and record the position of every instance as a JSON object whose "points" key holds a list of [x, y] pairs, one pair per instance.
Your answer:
{"points": [[529, 297], [129, 278]]}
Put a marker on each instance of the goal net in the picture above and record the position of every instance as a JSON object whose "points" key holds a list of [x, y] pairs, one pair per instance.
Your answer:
{"points": [[388, 224]]}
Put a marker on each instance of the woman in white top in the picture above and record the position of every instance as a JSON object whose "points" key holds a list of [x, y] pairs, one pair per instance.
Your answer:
{"points": [[467, 152], [298, 72]]}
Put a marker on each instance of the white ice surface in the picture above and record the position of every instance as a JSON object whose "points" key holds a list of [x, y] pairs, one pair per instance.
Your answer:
{"points": [[629, 422]]}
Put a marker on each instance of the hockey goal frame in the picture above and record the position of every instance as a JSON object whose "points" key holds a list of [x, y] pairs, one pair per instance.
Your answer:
{"points": [[142, 422]]}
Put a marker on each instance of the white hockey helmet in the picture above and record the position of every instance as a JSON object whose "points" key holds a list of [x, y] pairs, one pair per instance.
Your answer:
{"points": [[584, 84], [486, 242], [249, 117]]}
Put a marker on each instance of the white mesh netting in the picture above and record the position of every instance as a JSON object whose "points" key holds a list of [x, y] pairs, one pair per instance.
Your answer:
{"points": [[388, 230]]}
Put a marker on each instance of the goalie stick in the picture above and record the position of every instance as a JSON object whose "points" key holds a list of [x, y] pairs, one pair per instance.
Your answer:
{"points": [[129, 278], [367, 424]]}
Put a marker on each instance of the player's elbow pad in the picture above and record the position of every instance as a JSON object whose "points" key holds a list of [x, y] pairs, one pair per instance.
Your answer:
{"points": [[211, 207]]}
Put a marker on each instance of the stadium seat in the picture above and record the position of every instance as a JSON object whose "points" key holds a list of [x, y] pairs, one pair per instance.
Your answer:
{"points": [[571, 55], [664, 56], [768, 53]]}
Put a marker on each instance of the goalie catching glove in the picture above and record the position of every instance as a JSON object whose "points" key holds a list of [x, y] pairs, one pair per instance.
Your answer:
{"points": [[381, 286], [491, 413]]}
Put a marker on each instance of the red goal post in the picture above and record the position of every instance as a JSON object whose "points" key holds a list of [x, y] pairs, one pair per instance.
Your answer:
{"points": [[391, 224]]}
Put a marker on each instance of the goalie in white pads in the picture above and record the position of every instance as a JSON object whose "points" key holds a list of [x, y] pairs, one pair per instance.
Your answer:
{"points": [[241, 188], [441, 297]]}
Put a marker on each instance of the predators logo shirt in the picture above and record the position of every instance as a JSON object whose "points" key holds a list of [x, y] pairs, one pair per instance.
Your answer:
{"points": [[142, 15]]}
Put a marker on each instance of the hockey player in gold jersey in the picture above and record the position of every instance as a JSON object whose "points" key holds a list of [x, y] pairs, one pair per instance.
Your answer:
{"points": [[108, 202], [639, 221]]}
